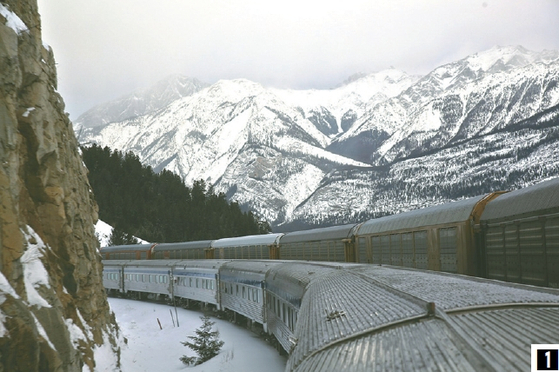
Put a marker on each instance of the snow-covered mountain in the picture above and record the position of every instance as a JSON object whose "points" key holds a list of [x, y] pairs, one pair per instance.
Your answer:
{"points": [[140, 102], [455, 102], [378, 143]]}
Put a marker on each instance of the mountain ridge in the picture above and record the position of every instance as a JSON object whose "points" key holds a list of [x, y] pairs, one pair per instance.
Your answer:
{"points": [[279, 151]]}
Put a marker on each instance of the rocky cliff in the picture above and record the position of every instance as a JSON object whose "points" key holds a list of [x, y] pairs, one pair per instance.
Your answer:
{"points": [[54, 314]]}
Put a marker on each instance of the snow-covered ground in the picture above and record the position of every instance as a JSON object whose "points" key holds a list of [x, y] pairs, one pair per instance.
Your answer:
{"points": [[150, 348]]}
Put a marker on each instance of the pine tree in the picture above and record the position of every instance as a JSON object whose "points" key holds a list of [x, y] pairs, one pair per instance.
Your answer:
{"points": [[206, 343], [121, 237]]}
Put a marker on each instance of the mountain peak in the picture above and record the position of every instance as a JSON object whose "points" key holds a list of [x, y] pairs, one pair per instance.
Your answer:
{"points": [[513, 56], [141, 101]]}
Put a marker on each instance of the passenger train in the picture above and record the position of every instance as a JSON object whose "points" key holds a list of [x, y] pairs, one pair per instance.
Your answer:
{"points": [[358, 317], [510, 236]]}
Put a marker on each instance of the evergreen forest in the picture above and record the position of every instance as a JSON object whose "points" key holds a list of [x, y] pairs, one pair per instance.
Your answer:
{"points": [[159, 207]]}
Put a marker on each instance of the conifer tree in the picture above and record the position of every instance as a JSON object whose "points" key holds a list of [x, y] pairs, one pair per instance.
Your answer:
{"points": [[206, 343]]}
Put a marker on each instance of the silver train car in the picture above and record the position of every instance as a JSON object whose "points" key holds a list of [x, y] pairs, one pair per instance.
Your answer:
{"points": [[242, 290], [356, 317]]}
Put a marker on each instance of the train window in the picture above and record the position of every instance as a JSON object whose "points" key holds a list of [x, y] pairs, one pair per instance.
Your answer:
{"points": [[197, 283], [237, 289], [243, 292]]}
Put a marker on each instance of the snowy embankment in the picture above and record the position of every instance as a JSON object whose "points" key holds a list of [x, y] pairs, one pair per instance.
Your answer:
{"points": [[150, 348], [103, 231]]}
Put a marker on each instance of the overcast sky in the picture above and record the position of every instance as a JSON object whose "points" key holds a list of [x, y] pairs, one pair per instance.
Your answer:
{"points": [[107, 48]]}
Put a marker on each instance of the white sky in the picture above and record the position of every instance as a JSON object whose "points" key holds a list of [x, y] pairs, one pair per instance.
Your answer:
{"points": [[107, 48]]}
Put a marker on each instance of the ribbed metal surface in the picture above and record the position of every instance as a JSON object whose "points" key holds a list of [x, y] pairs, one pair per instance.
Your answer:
{"points": [[247, 270], [191, 279], [123, 248], [456, 291], [541, 197], [185, 245], [507, 334], [437, 215], [419, 346], [250, 275], [326, 233], [289, 280], [342, 304], [265, 239]]}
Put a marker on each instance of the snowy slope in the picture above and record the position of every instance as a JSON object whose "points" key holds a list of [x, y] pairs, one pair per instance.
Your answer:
{"points": [[150, 348], [103, 232], [321, 156]]}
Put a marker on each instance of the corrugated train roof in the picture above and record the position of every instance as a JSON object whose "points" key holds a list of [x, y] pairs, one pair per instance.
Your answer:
{"points": [[437, 215], [524, 202]]}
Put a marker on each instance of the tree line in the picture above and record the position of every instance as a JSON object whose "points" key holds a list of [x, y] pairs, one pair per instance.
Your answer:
{"points": [[159, 207]]}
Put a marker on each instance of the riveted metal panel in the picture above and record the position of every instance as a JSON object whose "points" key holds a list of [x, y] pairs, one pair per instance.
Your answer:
{"points": [[552, 250], [420, 244], [448, 240]]}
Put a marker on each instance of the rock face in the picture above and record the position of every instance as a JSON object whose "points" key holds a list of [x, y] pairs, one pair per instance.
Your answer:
{"points": [[53, 310]]}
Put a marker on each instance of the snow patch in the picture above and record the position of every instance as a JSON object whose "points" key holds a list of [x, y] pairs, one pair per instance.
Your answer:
{"points": [[5, 289], [12, 20], [42, 331], [103, 232], [28, 111], [34, 272], [106, 358], [76, 334]]}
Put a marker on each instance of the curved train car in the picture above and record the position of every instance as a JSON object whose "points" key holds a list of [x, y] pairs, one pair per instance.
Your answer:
{"points": [[186, 251], [128, 252], [439, 238], [242, 289], [358, 317], [390, 319], [259, 247], [324, 244], [521, 235], [196, 281]]}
